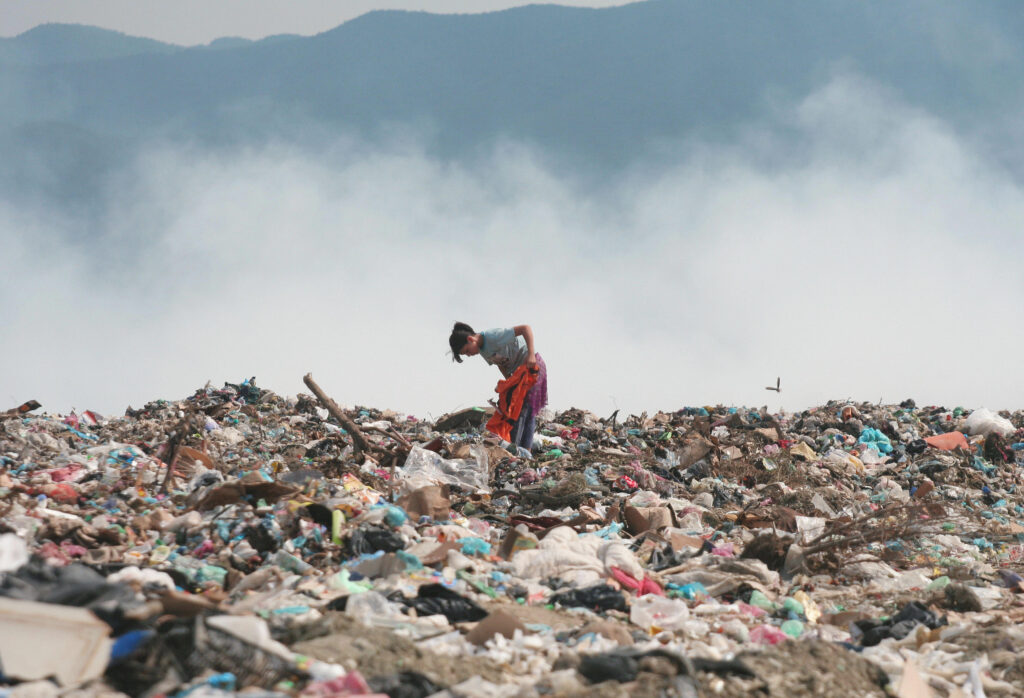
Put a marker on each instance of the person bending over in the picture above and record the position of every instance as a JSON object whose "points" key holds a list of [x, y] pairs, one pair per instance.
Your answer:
{"points": [[508, 348]]}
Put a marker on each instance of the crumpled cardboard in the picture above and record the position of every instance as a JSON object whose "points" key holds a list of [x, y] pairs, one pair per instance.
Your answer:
{"points": [[431, 501], [497, 623], [640, 519]]}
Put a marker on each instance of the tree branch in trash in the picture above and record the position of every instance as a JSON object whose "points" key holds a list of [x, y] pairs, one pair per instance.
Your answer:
{"points": [[847, 539], [359, 443], [175, 441]]}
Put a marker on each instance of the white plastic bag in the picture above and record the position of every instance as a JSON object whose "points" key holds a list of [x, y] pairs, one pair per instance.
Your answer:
{"points": [[13, 552], [650, 612], [423, 468], [370, 606], [983, 422]]}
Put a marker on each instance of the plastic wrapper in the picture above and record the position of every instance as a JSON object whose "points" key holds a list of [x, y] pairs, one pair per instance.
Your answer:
{"points": [[424, 468]]}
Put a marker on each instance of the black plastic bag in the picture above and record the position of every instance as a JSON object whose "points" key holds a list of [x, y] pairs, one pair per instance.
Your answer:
{"points": [[404, 684], [900, 625], [261, 538], [434, 599], [599, 597], [597, 668], [917, 446], [74, 585], [917, 612], [370, 539], [623, 665]]}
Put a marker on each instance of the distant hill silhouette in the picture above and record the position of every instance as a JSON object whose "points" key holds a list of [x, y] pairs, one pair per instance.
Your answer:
{"points": [[229, 42], [593, 86], [50, 44]]}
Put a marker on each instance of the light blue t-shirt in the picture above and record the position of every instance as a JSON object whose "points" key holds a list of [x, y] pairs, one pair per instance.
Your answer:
{"points": [[502, 348]]}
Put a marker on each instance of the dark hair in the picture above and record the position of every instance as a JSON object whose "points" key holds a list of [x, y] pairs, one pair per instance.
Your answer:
{"points": [[460, 334]]}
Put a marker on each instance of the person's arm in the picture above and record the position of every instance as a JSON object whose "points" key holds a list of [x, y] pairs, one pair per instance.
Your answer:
{"points": [[526, 333]]}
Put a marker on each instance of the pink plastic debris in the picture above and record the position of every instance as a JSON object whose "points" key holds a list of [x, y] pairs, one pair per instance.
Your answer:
{"points": [[751, 610], [767, 635]]}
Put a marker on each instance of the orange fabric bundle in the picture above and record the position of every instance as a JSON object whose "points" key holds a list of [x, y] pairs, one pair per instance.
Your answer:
{"points": [[948, 442], [511, 395]]}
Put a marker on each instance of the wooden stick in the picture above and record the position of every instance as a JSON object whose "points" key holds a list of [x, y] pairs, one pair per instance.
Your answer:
{"points": [[391, 433], [177, 436], [359, 443]]}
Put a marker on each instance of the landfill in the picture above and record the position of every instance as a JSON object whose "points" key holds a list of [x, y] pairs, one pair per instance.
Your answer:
{"points": [[241, 542]]}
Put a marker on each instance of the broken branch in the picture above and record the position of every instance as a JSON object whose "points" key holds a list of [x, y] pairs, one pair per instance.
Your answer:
{"points": [[359, 443]]}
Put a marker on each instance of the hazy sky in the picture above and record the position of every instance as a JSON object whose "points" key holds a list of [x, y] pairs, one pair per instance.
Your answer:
{"points": [[881, 264], [189, 22]]}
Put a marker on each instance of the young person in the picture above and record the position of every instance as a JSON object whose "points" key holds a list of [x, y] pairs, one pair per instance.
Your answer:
{"points": [[508, 348]]}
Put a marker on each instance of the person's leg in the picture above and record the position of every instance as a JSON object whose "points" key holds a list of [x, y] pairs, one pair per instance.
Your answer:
{"points": [[529, 430], [522, 434], [517, 428]]}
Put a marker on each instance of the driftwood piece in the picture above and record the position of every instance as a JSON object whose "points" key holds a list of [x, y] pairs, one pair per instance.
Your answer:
{"points": [[359, 443]]}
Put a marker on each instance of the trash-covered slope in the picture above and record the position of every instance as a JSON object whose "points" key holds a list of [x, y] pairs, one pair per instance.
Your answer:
{"points": [[238, 539]]}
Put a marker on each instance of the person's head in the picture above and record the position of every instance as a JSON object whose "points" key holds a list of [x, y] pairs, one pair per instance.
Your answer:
{"points": [[463, 340]]}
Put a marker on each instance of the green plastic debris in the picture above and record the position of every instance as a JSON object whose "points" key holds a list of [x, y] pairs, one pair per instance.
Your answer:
{"points": [[793, 628], [791, 604], [476, 584], [761, 601], [939, 583], [211, 573], [411, 561], [343, 581]]}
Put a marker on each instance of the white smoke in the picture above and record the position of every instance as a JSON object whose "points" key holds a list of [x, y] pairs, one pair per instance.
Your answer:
{"points": [[875, 262]]}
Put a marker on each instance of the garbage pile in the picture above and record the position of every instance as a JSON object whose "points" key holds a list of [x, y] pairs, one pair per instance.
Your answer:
{"points": [[241, 542]]}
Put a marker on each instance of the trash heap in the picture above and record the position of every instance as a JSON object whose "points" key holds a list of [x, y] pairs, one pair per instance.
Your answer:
{"points": [[241, 542]]}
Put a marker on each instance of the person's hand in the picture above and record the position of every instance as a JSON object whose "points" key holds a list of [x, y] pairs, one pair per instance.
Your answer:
{"points": [[531, 362]]}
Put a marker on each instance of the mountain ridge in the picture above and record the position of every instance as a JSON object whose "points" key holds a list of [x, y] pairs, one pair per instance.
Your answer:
{"points": [[54, 43], [596, 88]]}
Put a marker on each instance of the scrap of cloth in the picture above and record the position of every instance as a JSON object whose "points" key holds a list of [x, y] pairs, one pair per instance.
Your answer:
{"points": [[512, 394], [538, 397]]}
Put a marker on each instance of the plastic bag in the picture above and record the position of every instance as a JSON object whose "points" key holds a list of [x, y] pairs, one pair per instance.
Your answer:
{"points": [[623, 665], [651, 611], [435, 599], [371, 539], [240, 645], [405, 684], [874, 439], [13, 552], [767, 635], [984, 421], [424, 468], [599, 597], [371, 605]]}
